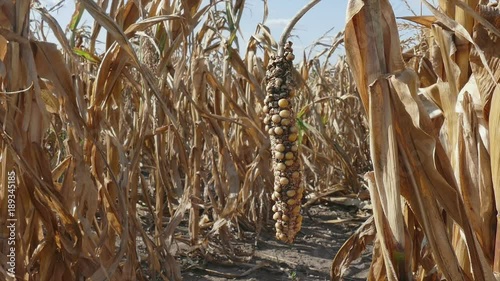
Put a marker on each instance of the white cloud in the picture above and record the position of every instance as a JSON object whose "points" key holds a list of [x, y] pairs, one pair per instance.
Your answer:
{"points": [[277, 22]]}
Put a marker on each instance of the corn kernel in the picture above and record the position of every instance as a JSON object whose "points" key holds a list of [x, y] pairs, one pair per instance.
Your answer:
{"points": [[301, 188], [277, 216], [281, 236], [285, 122], [276, 119], [279, 155], [280, 167], [280, 147], [296, 210], [285, 113], [283, 103], [278, 131], [284, 181], [299, 221], [275, 208], [278, 82]]}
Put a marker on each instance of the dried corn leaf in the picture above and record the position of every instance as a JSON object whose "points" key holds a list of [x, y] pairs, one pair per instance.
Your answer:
{"points": [[352, 249], [459, 30], [377, 267], [426, 168], [427, 179], [46, 56], [489, 43], [474, 175], [495, 166], [373, 50], [426, 21]]}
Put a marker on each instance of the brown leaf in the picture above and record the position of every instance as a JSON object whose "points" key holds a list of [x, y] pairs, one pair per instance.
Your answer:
{"points": [[426, 21], [373, 50], [352, 249], [495, 166]]}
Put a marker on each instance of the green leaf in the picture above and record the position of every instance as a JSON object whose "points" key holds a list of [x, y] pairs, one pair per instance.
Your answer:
{"points": [[77, 16], [233, 28], [302, 129], [86, 55]]}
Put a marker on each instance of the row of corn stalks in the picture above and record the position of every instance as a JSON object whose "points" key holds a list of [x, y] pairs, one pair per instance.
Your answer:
{"points": [[122, 156], [434, 126]]}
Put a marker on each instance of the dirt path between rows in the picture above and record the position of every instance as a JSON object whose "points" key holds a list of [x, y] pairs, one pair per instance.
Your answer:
{"points": [[309, 258]]}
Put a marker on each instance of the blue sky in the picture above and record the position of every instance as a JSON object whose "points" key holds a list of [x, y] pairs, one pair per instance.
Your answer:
{"points": [[326, 15]]}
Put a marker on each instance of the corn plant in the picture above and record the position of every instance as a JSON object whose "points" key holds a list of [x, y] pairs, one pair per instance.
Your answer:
{"points": [[434, 186]]}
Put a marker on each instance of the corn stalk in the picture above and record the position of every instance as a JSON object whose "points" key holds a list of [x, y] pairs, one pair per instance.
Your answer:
{"points": [[431, 187]]}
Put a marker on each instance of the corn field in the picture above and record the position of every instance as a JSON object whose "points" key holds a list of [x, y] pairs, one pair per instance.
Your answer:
{"points": [[173, 142]]}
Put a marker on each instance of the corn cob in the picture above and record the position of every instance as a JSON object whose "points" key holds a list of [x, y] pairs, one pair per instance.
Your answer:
{"points": [[283, 132]]}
